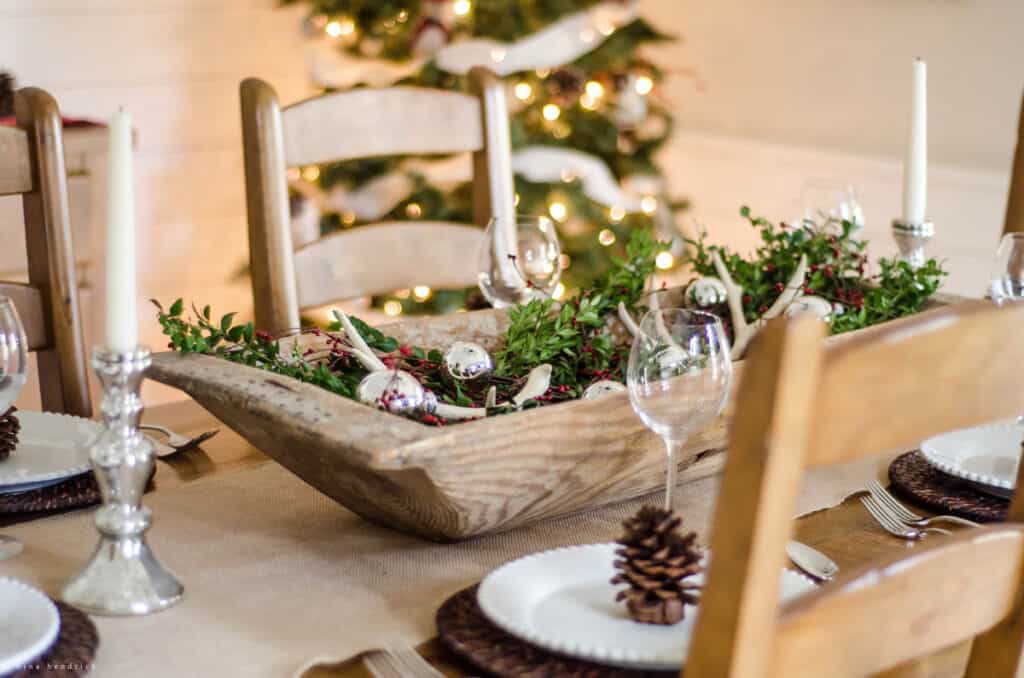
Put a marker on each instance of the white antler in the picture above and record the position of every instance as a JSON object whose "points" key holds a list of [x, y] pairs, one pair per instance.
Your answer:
{"points": [[742, 331], [360, 349]]}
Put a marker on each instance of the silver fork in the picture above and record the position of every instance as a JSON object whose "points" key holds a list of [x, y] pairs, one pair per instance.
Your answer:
{"points": [[399, 660], [179, 443], [906, 515], [893, 526]]}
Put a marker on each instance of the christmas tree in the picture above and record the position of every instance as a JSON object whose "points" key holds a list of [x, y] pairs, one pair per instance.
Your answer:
{"points": [[585, 122]]}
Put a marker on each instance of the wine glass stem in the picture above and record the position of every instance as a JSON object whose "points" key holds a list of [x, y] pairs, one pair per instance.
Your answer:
{"points": [[671, 448]]}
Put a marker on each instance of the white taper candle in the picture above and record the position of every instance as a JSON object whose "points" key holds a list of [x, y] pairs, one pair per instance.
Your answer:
{"points": [[122, 328], [915, 167]]}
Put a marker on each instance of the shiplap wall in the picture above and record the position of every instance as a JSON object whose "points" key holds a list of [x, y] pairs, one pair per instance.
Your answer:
{"points": [[794, 89], [175, 66]]}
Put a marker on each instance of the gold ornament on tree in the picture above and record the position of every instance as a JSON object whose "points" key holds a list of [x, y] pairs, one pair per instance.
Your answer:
{"points": [[656, 561]]}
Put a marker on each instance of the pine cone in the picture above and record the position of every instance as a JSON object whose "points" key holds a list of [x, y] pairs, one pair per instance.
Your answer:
{"points": [[655, 559], [9, 427], [6, 94]]}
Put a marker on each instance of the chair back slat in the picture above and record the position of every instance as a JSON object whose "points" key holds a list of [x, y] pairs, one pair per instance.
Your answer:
{"points": [[15, 169], [803, 403], [893, 385], [364, 123], [29, 302], [338, 266], [903, 608], [1015, 202]]}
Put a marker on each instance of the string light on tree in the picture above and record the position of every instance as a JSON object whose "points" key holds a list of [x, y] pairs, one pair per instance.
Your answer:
{"points": [[664, 260], [551, 112], [340, 27], [594, 89], [462, 7], [392, 307], [606, 237], [617, 213], [559, 291], [558, 211], [421, 292], [311, 173], [644, 85], [649, 204], [523, 91], [413, 210], [348, 217]]}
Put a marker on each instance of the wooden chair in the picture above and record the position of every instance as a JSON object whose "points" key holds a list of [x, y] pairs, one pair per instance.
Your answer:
{"points": [[32, 165], [1015, 203], [803, 404], [357, 124]]}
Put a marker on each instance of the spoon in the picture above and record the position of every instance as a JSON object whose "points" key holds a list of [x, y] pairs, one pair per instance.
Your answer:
{"points": [[812, 561]]}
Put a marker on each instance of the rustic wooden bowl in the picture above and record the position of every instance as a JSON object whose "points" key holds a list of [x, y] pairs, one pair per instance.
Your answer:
{"points": [[455, 482], [446, 483]]}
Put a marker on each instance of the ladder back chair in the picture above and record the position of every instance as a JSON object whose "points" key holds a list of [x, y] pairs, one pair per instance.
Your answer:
{"points": [[1015, 202], [359, 124], [32, 165], [803, 404]]}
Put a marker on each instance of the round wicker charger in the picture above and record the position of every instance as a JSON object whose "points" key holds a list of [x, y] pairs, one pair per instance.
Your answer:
{"points": [[72, 493], [466, 631], [71, 654], [913, 478]]}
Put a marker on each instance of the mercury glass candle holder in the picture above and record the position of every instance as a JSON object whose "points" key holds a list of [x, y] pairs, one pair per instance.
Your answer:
{"points": [[912, 240], [122, 577]]}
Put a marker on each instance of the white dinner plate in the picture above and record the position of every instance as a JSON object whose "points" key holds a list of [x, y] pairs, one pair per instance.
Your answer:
{"points": [[986, 455], [50, 447], [29, 623], [562, 600]]}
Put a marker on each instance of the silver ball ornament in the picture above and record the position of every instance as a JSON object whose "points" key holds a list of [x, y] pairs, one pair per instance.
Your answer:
{"points": [[816, 306], [466, 360], [602, 388], [393, 390], [705, 292]]}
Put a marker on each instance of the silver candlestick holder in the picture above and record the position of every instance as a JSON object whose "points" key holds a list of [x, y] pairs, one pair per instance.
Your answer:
{"points": [[912, 239], [122, 577]]}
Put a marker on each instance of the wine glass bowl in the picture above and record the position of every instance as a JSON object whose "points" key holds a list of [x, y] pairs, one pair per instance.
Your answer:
{"points": [[13, 354], [829, 203], [1007, 283], [678, 376], [520, 260]]}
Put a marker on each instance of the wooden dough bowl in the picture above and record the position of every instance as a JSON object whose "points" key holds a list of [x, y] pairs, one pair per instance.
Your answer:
{"points": [[454, 482]]}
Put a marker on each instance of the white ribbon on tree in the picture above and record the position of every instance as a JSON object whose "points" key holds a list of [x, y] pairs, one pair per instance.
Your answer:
{"points": [[560, 43]]}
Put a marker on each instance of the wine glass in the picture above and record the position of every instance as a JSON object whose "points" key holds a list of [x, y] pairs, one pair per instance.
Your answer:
{"points": [[829, 203], [520, 260], [678, 377], [13, 374], [1007, 282]]}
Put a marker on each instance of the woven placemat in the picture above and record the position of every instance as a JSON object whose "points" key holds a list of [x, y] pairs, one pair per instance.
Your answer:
{"points": [[466, 631], [76, 492], [71, 654], [913, 478]]}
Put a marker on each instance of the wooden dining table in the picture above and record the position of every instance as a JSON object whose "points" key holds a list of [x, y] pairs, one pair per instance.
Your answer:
{"points": [[845, 532]]}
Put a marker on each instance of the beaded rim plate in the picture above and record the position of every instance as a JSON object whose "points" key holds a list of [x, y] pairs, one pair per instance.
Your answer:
{"points": [[562, 600], [29, 623], [986, 455], [50, 447]]}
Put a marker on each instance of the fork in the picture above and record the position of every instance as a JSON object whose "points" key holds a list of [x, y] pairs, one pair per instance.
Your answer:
{"points": [[179, 443], [907, 516], [399, 660], [893, 526]]}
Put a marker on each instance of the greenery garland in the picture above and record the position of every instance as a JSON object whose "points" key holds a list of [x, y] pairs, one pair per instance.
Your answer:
{"points": [[576, 338]]}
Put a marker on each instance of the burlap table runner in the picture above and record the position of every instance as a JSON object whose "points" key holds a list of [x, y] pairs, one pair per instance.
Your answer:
{"points": [[276, 574]]}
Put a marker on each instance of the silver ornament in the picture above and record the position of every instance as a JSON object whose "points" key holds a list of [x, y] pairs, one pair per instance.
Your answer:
{"points": [[816, 306], [705, 292], [601, 388], [392, 390], [467, 360]]}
